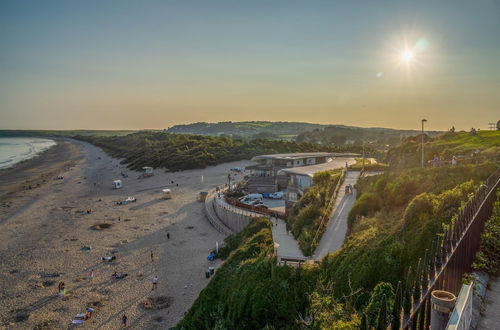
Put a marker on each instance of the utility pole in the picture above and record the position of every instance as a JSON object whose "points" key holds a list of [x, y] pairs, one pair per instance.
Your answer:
{"points": [[363, 167], [423, 121]]}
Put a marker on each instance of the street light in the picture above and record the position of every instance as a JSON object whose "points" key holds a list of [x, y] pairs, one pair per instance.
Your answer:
{"points": [[423, 121]]}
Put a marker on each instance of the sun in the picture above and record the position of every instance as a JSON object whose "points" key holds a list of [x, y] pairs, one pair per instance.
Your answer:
{"points": [[407, 56]]}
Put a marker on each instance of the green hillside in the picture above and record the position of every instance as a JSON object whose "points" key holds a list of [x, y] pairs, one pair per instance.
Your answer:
{"points": [[465, 146]]}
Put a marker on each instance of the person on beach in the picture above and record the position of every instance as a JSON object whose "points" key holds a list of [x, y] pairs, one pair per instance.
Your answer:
{"points": [[152, 257], [124, 320], [92, 275], [155, 283], [168, 235]]}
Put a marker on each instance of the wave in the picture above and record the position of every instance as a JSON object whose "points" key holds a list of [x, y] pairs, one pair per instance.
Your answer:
{"points": [[15, 150]]}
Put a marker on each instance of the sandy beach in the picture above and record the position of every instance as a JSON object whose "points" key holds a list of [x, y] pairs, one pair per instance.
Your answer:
{"points": [[44, 225]]}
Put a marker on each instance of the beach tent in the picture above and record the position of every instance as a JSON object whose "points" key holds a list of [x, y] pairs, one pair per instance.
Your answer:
{"points": [[148, 171], [167, 193], [117, 184]]}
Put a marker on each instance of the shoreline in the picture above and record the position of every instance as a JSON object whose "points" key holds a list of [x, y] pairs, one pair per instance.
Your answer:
{"points": [[31, 156], [45, 229]]}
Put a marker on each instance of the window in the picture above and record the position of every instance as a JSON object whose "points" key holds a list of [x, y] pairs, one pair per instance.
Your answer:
{"points": [[303, 181], [311, 161], [292, 197]]}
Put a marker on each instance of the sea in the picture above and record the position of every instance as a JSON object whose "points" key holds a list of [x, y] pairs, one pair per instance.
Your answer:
{"points": [[16, 149]]}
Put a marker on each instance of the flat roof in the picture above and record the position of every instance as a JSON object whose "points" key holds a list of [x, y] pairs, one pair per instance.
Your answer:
{"points": [[336, 163], [295, 155]]}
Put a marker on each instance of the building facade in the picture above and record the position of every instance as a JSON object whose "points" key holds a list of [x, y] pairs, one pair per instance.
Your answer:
{"points": [[265, 175]]}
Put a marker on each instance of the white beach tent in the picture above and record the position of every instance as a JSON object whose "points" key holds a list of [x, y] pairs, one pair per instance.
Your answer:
{"points": [[117, 184], [167, 193]]}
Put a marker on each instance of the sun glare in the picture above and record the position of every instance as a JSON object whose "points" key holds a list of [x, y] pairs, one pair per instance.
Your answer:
{"points": [[407, 56]]}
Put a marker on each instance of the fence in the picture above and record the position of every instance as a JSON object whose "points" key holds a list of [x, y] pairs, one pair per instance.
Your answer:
{"points": [[256, 209], [448, 258]]}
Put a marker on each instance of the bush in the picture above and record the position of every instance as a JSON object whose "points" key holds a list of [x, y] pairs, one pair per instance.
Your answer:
{"points": [[488, 257], [308, 213]]}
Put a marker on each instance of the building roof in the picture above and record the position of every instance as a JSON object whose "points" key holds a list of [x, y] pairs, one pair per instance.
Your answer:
{"points": [[295, 155], [336, 163]]}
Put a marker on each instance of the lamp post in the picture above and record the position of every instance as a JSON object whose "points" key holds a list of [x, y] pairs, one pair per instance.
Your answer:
{"points": [[363, 167], [423, 121]]}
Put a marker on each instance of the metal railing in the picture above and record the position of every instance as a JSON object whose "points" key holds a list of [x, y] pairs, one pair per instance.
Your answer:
{"points": [[256, 209], [449, 257]]}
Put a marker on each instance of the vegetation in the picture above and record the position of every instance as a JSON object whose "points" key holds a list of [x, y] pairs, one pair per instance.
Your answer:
{"points": [[307, 218], [395, 218], [488, 257], [183, 151], [340, 135], [246, 129], [460, 144], [369, 165], [249, 291]]}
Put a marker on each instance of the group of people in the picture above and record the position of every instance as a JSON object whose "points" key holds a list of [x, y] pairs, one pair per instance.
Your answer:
{"points": [[439, 160]]}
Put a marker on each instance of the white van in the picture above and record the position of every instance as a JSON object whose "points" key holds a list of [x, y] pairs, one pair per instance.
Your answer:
{"points": [[251, 198]]}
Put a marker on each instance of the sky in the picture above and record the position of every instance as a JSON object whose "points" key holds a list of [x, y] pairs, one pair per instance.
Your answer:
{"points": [[153, 64]]}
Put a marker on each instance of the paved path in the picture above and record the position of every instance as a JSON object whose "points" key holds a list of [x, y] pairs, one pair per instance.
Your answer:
{"points": [[337, 226], [287, 246], [491, 317]]}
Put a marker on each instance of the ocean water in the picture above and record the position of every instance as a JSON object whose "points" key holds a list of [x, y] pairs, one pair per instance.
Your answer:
{"points": [[14, 150]]}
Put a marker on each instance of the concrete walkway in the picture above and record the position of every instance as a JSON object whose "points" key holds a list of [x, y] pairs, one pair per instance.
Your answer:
{"points": [[491, 317], [287, 246], [337, 226]]}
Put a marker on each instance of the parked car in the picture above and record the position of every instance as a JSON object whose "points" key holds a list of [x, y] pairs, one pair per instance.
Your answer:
{"points": [[237, 169], [251, 197], [258, 204], [277, 195]]}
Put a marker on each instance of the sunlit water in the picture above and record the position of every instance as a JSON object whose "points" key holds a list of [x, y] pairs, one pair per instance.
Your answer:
{"points": [[15, 150]]}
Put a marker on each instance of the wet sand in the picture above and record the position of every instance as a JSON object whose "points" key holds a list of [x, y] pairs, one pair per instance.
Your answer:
{"points": [[43, 231]]}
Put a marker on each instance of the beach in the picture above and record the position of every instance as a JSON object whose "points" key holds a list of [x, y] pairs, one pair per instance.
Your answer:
{"points": [[59, 216]]}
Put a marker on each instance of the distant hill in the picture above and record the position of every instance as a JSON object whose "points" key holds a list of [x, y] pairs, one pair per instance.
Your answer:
{"points": [[247, 129], [301, 132]]}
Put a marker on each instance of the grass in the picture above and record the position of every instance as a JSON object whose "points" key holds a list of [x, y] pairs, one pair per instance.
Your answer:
{"points": [[369, 165], [485, 146]]}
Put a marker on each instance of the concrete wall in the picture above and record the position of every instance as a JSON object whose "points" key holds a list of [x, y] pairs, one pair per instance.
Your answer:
{"points": [[232, 217]]}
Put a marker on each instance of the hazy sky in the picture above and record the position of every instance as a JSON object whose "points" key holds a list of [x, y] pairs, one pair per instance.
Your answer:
{"points": [[152, 64]]}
